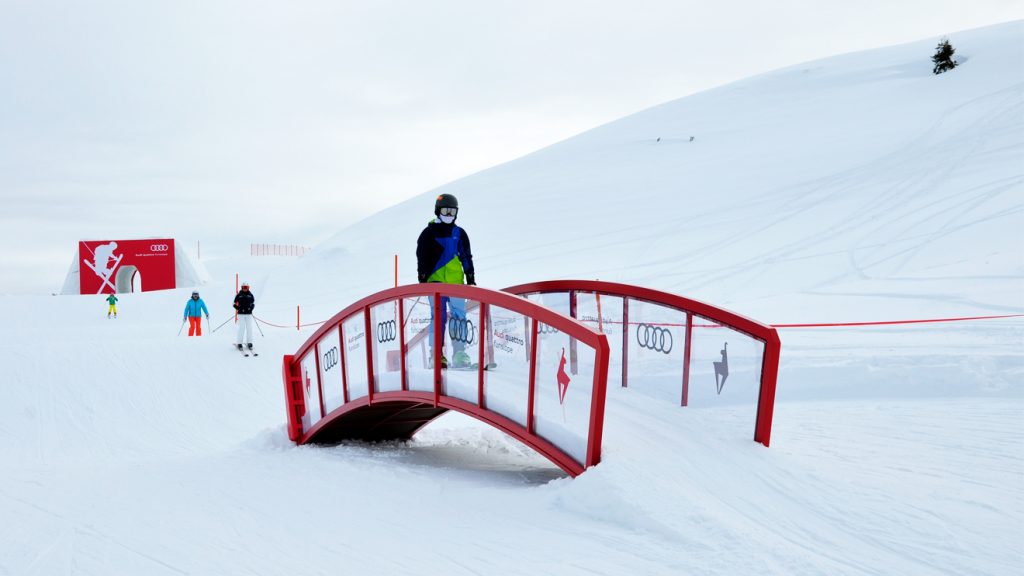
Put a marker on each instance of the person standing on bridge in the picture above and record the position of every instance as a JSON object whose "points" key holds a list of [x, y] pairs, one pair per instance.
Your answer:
{"points": [[194, 310], [244, 304], [443, 255]]}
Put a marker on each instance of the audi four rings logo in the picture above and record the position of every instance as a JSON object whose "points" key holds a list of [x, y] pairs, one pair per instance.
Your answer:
{"points": [[654, 338], [387, 331], [159, 247], [545, 329], [330, 359], [461, 330]]}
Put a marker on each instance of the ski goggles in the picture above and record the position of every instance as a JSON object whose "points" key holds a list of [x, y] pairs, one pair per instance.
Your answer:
{"points": [[448, 211]]}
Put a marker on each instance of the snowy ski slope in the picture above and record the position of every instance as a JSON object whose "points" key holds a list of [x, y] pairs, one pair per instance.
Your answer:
{"points": [[856, 188]]}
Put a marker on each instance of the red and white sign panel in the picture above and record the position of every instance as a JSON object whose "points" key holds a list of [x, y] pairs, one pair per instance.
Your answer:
{"points": [[112, 266]]}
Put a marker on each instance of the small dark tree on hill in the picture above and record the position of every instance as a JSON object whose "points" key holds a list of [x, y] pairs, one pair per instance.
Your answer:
{"points": [[943, 57]]}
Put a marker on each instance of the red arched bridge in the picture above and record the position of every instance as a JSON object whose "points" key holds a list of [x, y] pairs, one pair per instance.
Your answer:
{"points": [[533, 360]]}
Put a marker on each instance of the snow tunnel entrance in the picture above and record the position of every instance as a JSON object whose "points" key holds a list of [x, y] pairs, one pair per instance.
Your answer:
{"points": [[128, 279]]}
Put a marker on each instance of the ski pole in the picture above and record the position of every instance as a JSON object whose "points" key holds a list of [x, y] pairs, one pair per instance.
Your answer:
{"points": [[221, 324], [257, 323], [182, 326]]}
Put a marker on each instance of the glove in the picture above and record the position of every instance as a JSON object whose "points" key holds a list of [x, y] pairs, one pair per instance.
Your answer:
{"points": [[422, 278], [471, 279], [207, 316]]}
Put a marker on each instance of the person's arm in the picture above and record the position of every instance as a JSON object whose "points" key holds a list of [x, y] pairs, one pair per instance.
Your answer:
{"points": [[185, 313], [205, 311], [466, 257], [423, 255]]}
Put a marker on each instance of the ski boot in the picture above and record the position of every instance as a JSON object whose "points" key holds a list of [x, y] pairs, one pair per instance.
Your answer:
{"points": [[430, 360], [461, 360]]}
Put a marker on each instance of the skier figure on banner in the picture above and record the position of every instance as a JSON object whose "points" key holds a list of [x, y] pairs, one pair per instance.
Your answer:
{"points": [[194, 310], [102, 256], [101, 265], [244, 304], [443, 255]]}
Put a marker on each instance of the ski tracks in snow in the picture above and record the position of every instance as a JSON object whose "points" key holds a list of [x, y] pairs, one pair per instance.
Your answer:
{"points": [[837, 493]]}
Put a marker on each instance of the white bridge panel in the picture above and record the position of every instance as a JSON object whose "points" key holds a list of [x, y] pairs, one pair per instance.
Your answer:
{"points": [[330, 370]]}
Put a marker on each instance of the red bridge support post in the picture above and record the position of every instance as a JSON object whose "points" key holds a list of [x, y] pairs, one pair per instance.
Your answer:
{"points": [[296, 405]]}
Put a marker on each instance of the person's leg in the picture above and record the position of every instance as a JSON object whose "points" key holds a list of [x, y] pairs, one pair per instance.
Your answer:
{"points": [[444, 328], [430, 326], [248, 328], [458, 306], [444, 318], [240, 333], [459, 331], [191, 325]]}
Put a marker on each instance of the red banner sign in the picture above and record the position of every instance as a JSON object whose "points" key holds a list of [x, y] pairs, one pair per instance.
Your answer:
{"points": [[112, 266]]}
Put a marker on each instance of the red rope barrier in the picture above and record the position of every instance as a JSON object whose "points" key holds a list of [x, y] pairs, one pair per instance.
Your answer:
{"points": [[890, 322], [822, 325], [825, 325], [265, 323]]}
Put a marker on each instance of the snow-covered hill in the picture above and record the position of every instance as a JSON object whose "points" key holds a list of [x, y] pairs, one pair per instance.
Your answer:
{"points": [[866, 173], [856, 188]]}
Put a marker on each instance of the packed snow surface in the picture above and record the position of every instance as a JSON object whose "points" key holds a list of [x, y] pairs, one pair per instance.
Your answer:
{"points": [[856, 188]]}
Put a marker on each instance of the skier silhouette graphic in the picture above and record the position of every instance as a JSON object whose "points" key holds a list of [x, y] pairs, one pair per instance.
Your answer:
{"points": [[102, 257]]}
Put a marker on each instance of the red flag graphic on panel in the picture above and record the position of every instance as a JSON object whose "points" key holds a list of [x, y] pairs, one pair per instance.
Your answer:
{"points": [[563, 379]]}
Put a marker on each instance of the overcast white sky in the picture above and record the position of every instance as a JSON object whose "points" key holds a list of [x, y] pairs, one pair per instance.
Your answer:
{"points": [[284, 121]]}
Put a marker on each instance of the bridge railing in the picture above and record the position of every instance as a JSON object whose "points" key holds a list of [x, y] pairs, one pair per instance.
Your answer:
{"points": [[672, 347], [505, 368]]}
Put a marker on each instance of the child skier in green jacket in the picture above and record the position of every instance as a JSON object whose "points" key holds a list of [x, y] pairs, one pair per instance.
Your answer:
{"points": [[112, 300]]}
